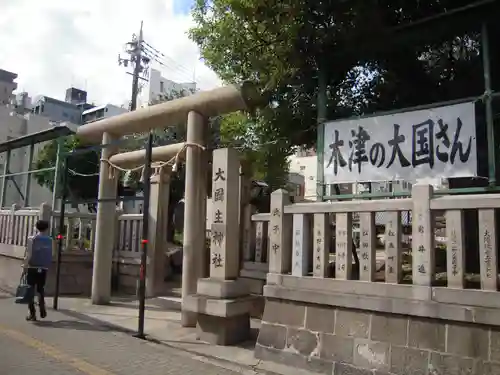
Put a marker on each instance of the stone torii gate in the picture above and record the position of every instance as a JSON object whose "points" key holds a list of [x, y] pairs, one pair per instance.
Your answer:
{"points": [[196, 109]]}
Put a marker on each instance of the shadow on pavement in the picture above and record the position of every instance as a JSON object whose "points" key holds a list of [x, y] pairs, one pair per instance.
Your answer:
{"points": [[70, 324], [134, 306], [95, 322]]}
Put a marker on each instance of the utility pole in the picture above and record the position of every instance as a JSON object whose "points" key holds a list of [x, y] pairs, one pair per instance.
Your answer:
{"points": [[139, 62]]}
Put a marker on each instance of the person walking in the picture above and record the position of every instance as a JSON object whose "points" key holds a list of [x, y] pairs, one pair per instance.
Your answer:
{"points": [[37, 261]]}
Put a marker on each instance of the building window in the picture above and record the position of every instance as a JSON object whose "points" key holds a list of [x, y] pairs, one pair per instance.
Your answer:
{"points": [[42, 108], [161, 86]]}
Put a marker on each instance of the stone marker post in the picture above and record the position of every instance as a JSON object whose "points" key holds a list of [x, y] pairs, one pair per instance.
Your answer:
{"points": [[222, 303], [224, 263], [158, 218]]}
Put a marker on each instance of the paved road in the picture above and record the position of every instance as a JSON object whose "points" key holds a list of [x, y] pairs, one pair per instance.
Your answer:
{"points": [[64, 344]]}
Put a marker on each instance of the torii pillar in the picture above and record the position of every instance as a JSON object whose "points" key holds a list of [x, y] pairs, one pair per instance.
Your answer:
{"points": [[195, 202], [105, 227]]}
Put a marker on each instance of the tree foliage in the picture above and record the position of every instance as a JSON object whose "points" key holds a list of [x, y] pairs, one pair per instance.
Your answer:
{"points": [[374, 55], [82, 179], [369, 55]]}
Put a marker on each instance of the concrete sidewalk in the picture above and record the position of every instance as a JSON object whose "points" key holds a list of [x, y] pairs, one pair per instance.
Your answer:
{"points": [[163, 326]]}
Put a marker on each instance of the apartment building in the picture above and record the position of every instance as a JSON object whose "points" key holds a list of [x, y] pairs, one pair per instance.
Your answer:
{"points": [[101, 112], [7, 86]]}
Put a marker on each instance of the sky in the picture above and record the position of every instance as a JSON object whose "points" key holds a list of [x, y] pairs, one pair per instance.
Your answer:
{"points": [[56, 44]]}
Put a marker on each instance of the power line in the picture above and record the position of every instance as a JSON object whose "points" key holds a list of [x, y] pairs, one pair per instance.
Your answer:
{"points": [[165, 60], [171, 64]]}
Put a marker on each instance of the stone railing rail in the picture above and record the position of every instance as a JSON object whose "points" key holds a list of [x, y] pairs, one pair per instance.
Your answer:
{"points": [[16, 224]]}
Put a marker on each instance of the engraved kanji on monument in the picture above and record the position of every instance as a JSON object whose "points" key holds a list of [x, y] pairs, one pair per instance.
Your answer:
{"points": [[280, 234], [321, 245], [455, 249], [343, 246], [301, 245], [367, 245], [393, 261], [422, 236], [488, 249], [224, 255]]}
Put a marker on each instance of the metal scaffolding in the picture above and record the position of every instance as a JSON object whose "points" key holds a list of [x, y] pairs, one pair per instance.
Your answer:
{"points": [[30, 140]]}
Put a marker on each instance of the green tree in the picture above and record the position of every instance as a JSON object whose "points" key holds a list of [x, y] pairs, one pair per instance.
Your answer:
{"points": [[374, 56], [82, 179], [268, 160]]}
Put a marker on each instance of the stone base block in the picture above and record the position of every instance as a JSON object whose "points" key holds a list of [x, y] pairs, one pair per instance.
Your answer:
{"points": [[223, 330], [222, 288], [254, 286], [223, 308], [221, 321]]}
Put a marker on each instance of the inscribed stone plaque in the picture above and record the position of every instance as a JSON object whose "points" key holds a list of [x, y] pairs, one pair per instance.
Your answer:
{"points": [[367, 244], [280, 234], [422, 236], [321, 245], [301, 245], [455, 249], [225, 201], [488, 249], [393, 271], [343, 246]]}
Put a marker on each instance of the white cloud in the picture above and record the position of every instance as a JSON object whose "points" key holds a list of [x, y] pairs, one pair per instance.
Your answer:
{"points": [[55, 44]]}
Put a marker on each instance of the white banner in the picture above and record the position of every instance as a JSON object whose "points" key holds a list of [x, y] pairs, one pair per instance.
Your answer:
{"points": [[431, 143]]}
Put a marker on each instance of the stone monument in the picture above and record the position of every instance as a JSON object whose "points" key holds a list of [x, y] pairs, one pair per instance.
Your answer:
{"points": [[222, 301]]}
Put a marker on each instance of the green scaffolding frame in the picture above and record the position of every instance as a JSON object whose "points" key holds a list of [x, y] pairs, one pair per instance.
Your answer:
{"points": [[59, 132], [487, 98]]}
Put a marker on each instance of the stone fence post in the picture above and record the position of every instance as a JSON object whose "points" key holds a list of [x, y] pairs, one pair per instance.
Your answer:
{"points": [[280, 234], [12, 224], [423, 267]]}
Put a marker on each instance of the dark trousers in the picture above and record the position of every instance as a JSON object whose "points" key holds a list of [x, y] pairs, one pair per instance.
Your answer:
{"points": [[36, 278]]}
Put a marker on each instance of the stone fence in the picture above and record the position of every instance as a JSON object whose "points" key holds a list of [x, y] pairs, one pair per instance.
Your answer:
{"points": [[79, 240], [381, 308]]}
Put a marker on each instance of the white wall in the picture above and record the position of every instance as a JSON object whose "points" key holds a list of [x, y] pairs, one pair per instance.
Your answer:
{"points": [[114, 110], [159, 85], [306, 166]]}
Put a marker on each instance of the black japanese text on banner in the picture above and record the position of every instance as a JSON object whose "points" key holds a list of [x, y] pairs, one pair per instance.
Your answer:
{"points": [[431, 143]]}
